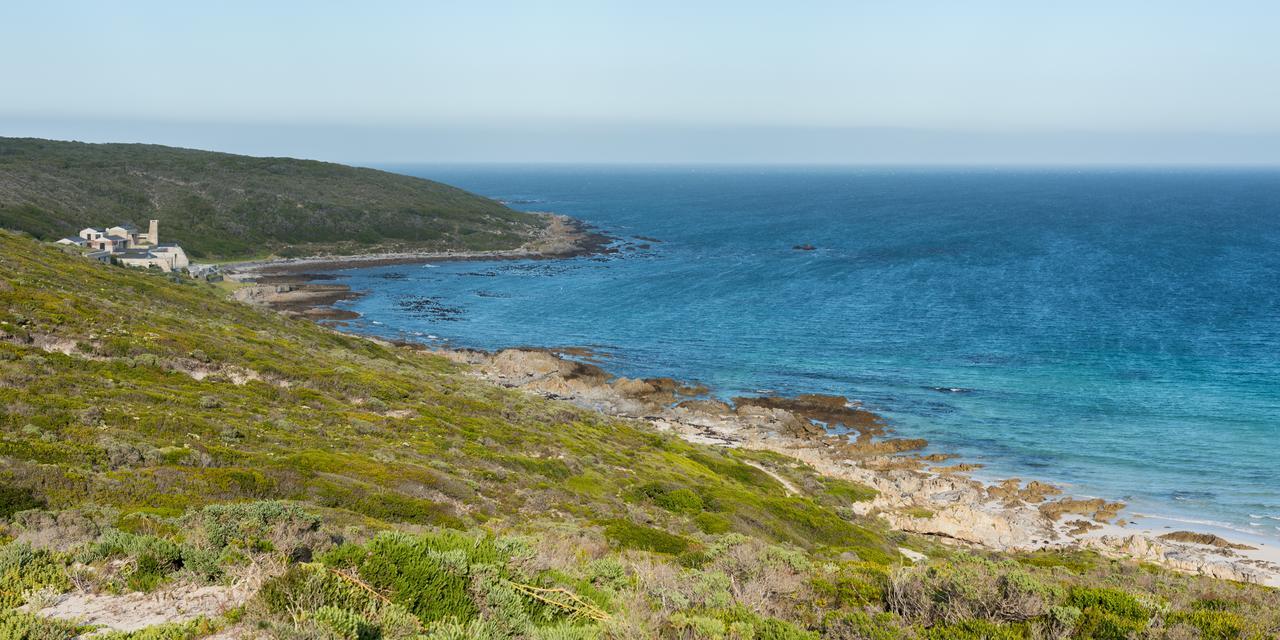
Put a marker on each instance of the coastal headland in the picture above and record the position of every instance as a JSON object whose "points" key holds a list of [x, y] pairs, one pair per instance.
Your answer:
{"points": [[290, 286]]}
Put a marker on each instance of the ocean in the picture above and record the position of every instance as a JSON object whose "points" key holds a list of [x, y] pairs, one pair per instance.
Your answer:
{"points": [[1116, 331]]}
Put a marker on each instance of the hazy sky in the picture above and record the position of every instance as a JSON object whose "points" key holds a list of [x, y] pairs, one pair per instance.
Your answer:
{"points": [[874, 81]]}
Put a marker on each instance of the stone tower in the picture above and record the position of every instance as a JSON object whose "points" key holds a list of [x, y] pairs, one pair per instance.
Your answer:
{"points": [[153, 234]]}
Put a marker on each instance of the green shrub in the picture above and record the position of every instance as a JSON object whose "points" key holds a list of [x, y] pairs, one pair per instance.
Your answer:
{"points": [[565, 631], [974, 630], [1112, 601], [1108, 614], [430, 575], [969, 587], [154, 558], [808, 524], [1061, 620], [850, 586], [675, 500], [205, 564], [850, 491], [713, 523], [550, 467], [737, 623], [18, 625], [723, 463], [1098, 624], [774, 629], [1213, 624], [252, 525], [24, 569], [629, 535], [450, 629], [346, 624], [305, 587], [680, 501], [697, 627], [861, 625], [14, 499]]}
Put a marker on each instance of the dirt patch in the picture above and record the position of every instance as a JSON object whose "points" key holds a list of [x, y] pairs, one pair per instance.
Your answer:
{"points": [[135, 611]]}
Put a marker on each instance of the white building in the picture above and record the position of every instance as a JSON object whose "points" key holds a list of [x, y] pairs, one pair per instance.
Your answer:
{"points": [[167, 258], [125, 245]]}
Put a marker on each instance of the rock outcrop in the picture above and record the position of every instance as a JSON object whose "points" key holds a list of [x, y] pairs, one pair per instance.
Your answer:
{"points": [[1182, 557]]}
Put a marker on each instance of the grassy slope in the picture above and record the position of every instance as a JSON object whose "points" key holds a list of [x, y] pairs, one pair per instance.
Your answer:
{"points": [[221, 205], [668, 538]]}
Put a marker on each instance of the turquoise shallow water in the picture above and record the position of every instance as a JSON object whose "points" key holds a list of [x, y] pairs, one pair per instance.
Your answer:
{"points": [[1118, 331]]}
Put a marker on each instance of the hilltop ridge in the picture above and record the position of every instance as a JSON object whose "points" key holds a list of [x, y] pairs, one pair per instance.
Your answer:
{"points": [[221, 205]]}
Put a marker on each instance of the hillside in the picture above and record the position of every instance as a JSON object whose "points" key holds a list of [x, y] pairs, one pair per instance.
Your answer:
{"points": [[219, 205], [158, 438]]}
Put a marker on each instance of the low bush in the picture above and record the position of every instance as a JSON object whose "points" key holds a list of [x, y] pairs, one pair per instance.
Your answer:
{"points": [[24, 570], [14, 499], [860, 625], [18, 625], [1098, 624], [1212, 624], [429, 576], [850, 585], [266, 525], [1112, 601], [974, 630], [345, 624], [673, 499], [969, 588], [849, 491], [629, 535]]}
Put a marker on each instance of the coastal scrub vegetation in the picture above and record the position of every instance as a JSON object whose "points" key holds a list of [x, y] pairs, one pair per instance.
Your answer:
{"points": [[157, 438], [219, 205]]}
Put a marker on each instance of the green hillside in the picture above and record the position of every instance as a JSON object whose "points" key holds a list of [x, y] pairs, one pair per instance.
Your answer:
{"points": [[219, 205], [155, 434]]}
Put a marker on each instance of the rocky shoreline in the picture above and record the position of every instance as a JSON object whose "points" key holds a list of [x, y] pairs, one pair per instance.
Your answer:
{"points": [[927, 494], [918, 493]]}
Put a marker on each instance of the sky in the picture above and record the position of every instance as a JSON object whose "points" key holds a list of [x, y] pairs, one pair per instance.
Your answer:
{"points": [[908, 81]]}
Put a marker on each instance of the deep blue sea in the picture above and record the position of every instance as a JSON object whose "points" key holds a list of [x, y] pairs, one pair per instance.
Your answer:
{"points": [[1117, 331]]}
